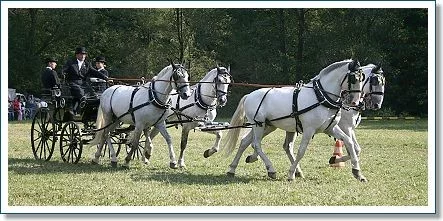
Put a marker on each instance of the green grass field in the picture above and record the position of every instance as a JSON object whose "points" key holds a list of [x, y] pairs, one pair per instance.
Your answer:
{"points": [[394, 159]]}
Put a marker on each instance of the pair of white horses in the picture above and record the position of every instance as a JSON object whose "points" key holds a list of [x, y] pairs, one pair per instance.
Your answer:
{"points": [[314, 121], [315, 111], [149, 106]]}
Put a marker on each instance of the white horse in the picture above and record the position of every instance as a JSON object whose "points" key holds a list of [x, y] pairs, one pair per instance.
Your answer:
{"points": [[372, 95], [208, 95], [312, 110], [143, 107]]}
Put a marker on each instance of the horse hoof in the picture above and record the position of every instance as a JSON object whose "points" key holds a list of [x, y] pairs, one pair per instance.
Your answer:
{"points": [[357, 174], [332, 160], [113, 164], [173, 165], [93, 162], [299, 174], [126, 167], [249, 159], [230, 174], [290, 180], [272, 175], [148, 156], [206, 154]]}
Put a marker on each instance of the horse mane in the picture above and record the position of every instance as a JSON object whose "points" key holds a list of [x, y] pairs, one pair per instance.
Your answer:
{"points": [[163, 72], [331, 67], [209, 77]]}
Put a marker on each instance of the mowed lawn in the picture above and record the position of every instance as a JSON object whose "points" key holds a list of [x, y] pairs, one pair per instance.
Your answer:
{"points": [[394, 160]]}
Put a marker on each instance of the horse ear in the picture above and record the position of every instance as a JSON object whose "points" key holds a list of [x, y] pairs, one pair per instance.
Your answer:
{"points": [[172, 64], [377, 68], [229, 69], [354, 65]]}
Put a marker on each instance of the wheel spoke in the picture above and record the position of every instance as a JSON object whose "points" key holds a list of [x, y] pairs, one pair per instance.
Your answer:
{"points": [[65, 152]]}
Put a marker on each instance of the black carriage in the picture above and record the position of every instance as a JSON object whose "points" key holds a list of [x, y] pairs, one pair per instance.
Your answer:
{"points": [[55, 124]]}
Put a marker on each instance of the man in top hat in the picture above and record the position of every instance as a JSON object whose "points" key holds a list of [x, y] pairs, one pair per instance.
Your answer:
{"points": [[49, 75], [77, 71], [100, 65]]}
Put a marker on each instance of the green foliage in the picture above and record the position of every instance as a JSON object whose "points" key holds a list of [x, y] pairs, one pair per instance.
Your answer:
{"points": [[395, 163], [269, 46]]}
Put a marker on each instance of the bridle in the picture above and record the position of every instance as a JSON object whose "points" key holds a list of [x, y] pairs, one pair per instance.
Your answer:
{"points": [[176, 76], [352, 79], [216, 82], [374, 80]]}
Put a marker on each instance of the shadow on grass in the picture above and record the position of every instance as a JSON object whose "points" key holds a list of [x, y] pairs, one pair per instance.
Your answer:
{"points": [[32, 166], [189, 178]]}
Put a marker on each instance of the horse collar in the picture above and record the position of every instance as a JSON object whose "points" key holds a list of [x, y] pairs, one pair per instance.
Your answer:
{"points": [[199, 101], [323, 98], [154, 98]]}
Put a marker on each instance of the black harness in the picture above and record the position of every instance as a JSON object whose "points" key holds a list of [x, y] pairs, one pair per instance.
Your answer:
{"points": [[322, 99], [198, 101], [153, 99]]}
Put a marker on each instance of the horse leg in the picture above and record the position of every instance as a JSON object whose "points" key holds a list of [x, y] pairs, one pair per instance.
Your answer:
{"points": [[148, 145], [134, 145], [104, 138], [183, 143], [111, 147], [258, 136], [254, 156], [288, 146], [162, 128], [349, 144], [244, 143], [357, 147], [295, 167], [216, 147]]}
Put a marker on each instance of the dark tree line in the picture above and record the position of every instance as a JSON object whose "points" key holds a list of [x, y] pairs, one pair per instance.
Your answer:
{"points": [[271, 46]]}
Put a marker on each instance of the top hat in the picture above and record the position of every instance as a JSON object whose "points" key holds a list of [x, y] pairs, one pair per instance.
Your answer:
{"points": [[100, 59], [50, 59], [80, 50]]}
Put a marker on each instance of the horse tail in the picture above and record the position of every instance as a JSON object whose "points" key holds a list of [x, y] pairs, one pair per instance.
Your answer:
{"points": [[98, 125], [238, 119]]}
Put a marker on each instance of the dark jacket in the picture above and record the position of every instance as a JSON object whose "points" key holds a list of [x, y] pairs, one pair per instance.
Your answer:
{"points": [[104, 72], [74, 74], [50, 78]]}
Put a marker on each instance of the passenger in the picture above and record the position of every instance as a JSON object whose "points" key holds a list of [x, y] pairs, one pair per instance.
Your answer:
{"points": [[49, 75], [100, 65]]}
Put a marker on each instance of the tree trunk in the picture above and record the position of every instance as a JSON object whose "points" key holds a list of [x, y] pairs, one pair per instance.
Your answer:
{"points": [[179, 23], [283, 44], [301, 33]]}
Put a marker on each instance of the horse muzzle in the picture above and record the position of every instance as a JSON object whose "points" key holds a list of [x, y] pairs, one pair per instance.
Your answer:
{"points": [[222, 101], [185, 95]]}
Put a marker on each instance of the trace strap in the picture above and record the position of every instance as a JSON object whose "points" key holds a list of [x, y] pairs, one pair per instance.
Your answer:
{"points": [[322, 98], [153, 99]]}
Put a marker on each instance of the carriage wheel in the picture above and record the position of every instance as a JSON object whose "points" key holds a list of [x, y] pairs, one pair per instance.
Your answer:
{"points": [[43, 135], [141, 146], [115, 140], [71, 144]]}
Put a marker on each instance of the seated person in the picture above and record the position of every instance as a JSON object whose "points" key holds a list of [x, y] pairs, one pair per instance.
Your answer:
{"points": [[49, 75], [77, 71]]}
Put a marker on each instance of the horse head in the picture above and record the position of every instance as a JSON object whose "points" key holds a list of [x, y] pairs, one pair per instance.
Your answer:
{"points": [[374, 87], [222, 80], [180, 77], [352, 83]]}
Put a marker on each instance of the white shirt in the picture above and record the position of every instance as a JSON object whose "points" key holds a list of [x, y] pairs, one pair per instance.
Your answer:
{"points": [[49, 68], [101, 69], [80, 63]]}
